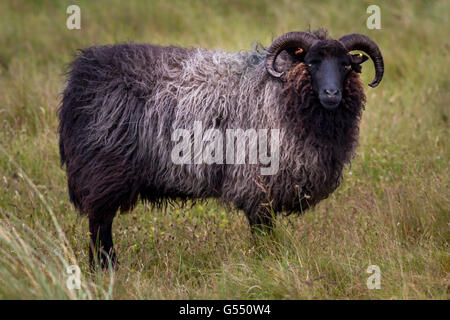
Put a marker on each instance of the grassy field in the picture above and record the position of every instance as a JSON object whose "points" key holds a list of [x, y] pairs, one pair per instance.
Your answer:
{"points": [[391, 211]]}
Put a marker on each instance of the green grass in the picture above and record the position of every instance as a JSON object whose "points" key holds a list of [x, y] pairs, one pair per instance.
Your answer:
{"points": [[392, 209]]}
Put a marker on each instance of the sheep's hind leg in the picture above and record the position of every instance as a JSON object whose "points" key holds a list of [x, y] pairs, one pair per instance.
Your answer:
{"points": [[101, 244]]}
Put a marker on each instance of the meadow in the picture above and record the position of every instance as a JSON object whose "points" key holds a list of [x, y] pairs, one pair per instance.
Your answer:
{"points": [[392, 210]]}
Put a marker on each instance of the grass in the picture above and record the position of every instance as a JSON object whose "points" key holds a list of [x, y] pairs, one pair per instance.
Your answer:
{"points": [[391, 211]]}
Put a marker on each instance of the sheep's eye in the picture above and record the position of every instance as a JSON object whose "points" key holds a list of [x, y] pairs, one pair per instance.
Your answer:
{"points": [[313, 62]]}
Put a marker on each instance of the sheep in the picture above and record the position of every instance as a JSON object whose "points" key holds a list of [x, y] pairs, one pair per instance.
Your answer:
{"points": [[123, 102]]}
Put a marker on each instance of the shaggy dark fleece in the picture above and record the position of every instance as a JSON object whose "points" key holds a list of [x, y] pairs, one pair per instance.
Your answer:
{"points": [[122, 103], [329, 136]]}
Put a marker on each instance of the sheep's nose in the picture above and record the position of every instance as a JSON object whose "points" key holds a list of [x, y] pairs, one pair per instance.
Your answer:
{"points": [[331, 92]]}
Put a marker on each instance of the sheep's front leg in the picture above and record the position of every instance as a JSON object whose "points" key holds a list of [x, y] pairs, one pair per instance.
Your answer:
{"points": [[101, 244], [261, 221]]}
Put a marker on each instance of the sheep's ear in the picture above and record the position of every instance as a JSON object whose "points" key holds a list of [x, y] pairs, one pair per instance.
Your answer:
{"points": [[296, 53], [356, 60], [359, 58]]}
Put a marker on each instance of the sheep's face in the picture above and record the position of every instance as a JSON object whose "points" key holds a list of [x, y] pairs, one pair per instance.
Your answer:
{"points": [[329, 62]]}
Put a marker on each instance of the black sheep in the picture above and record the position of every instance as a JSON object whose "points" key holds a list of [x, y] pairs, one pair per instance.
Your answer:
{"points": [[123, 102]]}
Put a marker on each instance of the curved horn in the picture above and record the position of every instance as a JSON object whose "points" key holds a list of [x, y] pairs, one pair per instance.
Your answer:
{"points": [[303, 40], [356, 41]]}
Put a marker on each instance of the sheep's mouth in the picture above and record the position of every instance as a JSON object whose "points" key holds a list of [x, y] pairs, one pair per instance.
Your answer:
{"points": [[330, 104]]}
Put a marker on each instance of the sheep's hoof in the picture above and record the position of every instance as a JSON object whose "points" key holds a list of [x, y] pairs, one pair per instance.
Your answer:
{"points": [[261, 230], [103, 259]]}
